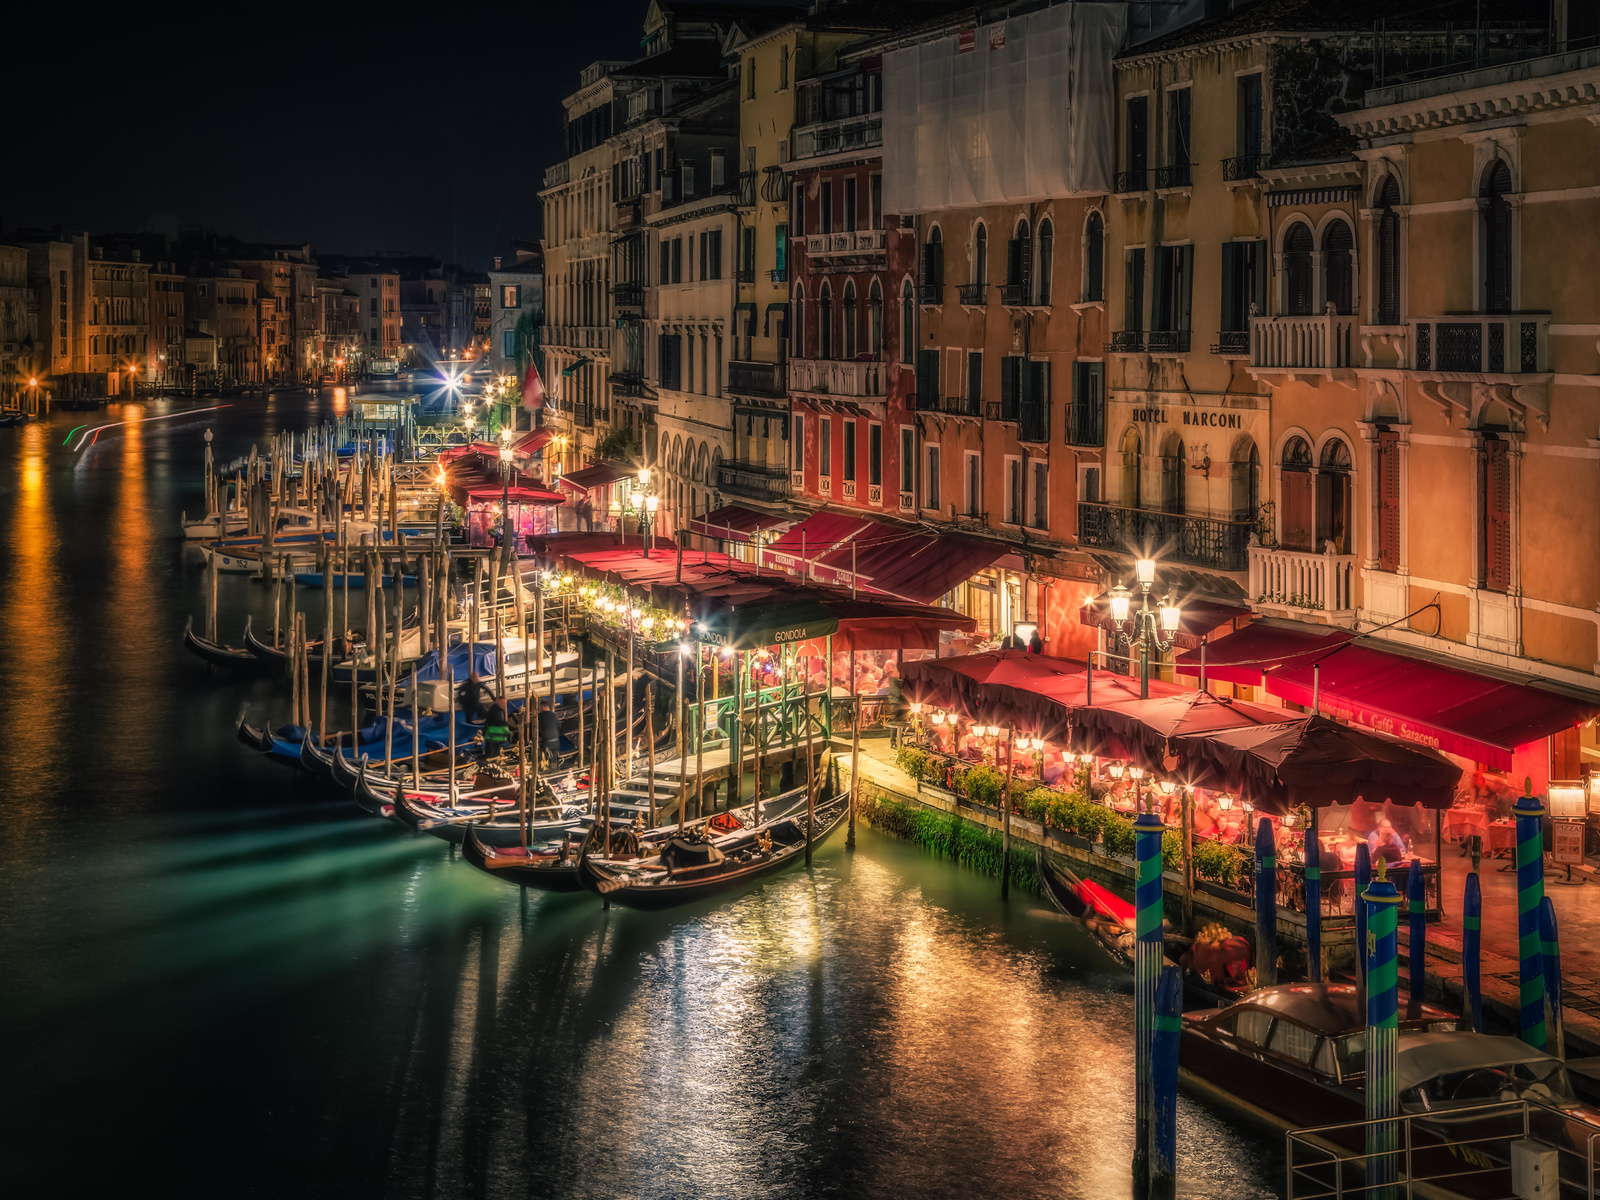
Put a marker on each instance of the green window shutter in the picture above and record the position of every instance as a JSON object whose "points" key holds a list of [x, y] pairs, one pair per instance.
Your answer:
{"points": [[1185, 284], [1230, 290]]}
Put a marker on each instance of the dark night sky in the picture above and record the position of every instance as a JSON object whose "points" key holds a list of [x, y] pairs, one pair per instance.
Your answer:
{"points": [[353, 127]]}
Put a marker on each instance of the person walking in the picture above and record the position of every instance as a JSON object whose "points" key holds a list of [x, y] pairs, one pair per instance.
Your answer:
{"points": [[498, 731], [549, 733], [473, 698]]}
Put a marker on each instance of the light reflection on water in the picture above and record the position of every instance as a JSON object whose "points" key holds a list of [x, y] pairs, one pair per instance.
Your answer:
{"points": [[219, 976]]}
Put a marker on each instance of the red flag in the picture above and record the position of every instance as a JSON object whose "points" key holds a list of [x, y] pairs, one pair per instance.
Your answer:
{"points": [[532, 388]]}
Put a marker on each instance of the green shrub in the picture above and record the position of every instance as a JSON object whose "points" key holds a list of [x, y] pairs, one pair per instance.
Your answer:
{"points": [[1218, 863], [1172, 850], [948, 835], [984, 785], [1117, 834], [912, 761]]}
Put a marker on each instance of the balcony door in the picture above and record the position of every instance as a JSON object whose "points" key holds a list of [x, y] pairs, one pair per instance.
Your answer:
{"points": [[1132, 491], [1297, 273], [1174, 466], [1333, 497], [1295, 500]]}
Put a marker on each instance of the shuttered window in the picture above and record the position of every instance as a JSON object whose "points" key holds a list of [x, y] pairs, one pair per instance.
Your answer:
{"points": [[1010, 386], [1388, 253], [1133, 291], [1337, 245], [1295, 495], [1297, 298], [1496, 239], [1496, 523], [1388, 472], [927, 378]]}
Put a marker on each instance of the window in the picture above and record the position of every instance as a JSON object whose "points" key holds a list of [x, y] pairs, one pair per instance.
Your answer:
{"points": [[928, 379], [1297, 245], [1245, 481], [669, 350], [747, 252], [825, 446], [799, 211], [1179, 151], [851, 430], [1333, 497], [1010, 386], [1250, 1027], [974, 482], [797, 444], [1174, 471], [1388, 237], [1041, 494], [908, 323], [1248, 140], [508, 344], [825, 207], [1133, 290], [825, 322], [510, 296], [1495, 527], [719, 168], [1033, 413], [875, 197], [1089, 485], [677, 260], [1386, 466], [1496, 243], [1138, 134], [1094, 254], [1013, 491], [850, 319], [688, 180], [908, 459], [875, 455], [1019, 262], [875, 321], [1244, 281], [1086, 421], [933, 260], [1293, 1041], [1172, 287], [780, 251], [1337, 272], [783, 68], [980, 256], [711, 254], [975, 381], [931, 479], [799, 324], [750, 78], [1295, 496], [850, 188]]}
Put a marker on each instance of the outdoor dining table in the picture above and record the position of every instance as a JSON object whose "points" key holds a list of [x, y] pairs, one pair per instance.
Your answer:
{"points": [[1460, 823]]}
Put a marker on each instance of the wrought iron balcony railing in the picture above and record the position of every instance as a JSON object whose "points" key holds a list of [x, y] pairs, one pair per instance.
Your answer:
{"points": [[1175, 537], [1126, 341], [1232, 343], [1174, 175], [753, 481], [1132, 181], [1167, 341], [972, 294], [1243, 166], [757, 379]]}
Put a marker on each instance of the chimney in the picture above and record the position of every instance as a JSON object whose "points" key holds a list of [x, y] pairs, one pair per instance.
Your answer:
{"points": [[496, 262]]}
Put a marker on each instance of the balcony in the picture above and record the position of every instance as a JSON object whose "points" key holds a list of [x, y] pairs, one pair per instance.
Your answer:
{"points": [[1232, 343], [971, 294], [1242, 167], [838, 137], [747, 189], [1175, 537], [1302, 345], [1129, 182], [1126, 341], [930, 293], [774, 185], [583, 414], [746, 275], [1167, 341], [628, 383], [757, 379], [1298, 581], [779, 275], [555, 174], [628, 295], [836, 377], [1174, 175], [1499, 344], [836, 251], [950, 406], [753, 481], [1017, 295]]}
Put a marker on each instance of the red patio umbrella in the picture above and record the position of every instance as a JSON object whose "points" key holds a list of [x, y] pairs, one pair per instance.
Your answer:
{"points": [[1316, 762], [1142, 729], [952, 682]]}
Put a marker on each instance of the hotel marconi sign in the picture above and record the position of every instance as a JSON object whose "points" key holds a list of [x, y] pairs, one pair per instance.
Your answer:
{"points": [[1199, 418]]}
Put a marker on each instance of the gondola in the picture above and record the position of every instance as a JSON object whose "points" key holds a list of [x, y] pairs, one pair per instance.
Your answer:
{"points": [[551, 867], [241, 662], [316, 760], [708, 857], [257, 737]]}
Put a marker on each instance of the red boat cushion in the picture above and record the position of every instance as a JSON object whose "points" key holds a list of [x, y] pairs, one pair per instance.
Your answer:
{"points": [[1106, 903]]}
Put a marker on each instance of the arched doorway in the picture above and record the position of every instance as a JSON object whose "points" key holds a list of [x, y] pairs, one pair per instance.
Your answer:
{"points": [[1174, 466], [1131, 490]]}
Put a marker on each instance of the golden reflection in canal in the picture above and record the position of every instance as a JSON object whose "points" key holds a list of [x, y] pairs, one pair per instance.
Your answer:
{"points": [[341, 401], [36, 639], [133, 617]]}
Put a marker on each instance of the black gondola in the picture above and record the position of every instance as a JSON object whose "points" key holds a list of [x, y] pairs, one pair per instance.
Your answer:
{"points": [[257, 737], [552, 868], [315, 760], [241, 662]]}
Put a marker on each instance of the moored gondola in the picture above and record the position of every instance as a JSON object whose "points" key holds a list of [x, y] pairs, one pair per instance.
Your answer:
{"points": [[316, 760], [549, 867], [240, 662]]}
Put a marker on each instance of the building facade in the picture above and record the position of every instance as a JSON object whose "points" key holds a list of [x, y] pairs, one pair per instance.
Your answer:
{"points": [[516, 309]]}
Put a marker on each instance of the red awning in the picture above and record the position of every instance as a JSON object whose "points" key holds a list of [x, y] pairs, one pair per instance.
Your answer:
{"points": [[937, 567], [487, 448], [873, 551], [814, 537], [734, 523], [600, 475], [487, 493], [532, 442], [1418, 700], [1245, 657], [1200, 617]]}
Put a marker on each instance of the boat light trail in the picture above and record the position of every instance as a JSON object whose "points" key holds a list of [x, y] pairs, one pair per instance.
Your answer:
{"points": [[92, 435], [66, 440]]}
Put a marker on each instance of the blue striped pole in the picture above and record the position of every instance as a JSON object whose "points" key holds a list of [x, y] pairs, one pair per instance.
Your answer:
{"points": [[1363, 881], [1164, 1085], [1382, 902], [1313, 857], [1472, 950], [1550, 951], [1417, 937], [1530, 891], [1147, 963], [1266, 905]]}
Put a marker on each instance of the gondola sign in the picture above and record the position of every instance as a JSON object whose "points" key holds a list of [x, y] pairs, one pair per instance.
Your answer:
{"points": [[767, 625]]}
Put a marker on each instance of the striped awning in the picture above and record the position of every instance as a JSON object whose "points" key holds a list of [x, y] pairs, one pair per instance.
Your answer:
{"points": [[1333, 195]]}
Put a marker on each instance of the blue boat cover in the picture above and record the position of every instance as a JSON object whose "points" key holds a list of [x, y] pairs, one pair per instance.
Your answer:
{"points": [[482, 661]]}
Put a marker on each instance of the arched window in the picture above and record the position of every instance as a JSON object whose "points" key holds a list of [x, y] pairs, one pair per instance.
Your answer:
{"points": [[1297, 244], [1174, 467], [1337, 244], [1094, 258], [849, 316], [797, 326], [1294, 495], [933, 260], [1018, 256], [980, 255], [1245, 480], [825, 322], [908, 324], [1132, 492], [1388, 253], [875, 321], [1333, 497], [1496, 217]]}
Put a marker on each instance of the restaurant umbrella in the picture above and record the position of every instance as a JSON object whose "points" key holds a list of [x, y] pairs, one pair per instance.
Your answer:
{"points": [[951, 682], [1317, 762], [1141, 729]]}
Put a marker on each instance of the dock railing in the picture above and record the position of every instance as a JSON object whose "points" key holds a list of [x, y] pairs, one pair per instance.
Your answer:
{"points": [[1462, 1152]]}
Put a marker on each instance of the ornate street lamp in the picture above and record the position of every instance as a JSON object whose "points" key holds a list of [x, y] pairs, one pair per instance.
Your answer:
{"points": [[1145, 626]]}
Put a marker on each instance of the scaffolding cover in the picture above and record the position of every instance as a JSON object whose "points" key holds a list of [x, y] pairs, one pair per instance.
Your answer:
{"points": [[1018, 110]]}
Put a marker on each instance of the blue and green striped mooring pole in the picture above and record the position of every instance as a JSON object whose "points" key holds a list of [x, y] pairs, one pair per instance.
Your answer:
{"points": [[1147, 963], [1530, 891], [1266, 905], [1382, 903], [1472, 950], [1416, 938], [1313, 861], [1164, 1085], [1550, 951]]}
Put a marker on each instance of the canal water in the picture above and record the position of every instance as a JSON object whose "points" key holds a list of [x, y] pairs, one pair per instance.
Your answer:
{"points": [[216, 981]]}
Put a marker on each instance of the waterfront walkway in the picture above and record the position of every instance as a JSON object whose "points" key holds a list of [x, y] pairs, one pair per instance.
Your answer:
{"points": [[1577, 914]]}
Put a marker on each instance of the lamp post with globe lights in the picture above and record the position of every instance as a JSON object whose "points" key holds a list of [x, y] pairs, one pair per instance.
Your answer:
{"points": [[1147, 626]]}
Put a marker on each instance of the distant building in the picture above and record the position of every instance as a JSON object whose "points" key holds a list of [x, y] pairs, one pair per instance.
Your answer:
{"points": [[19, 314], [165, 356], [516, 302], [222, 302]]}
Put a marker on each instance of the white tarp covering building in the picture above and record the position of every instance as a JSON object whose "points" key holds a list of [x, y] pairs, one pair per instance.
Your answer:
{"points": [[1019, 110]]}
